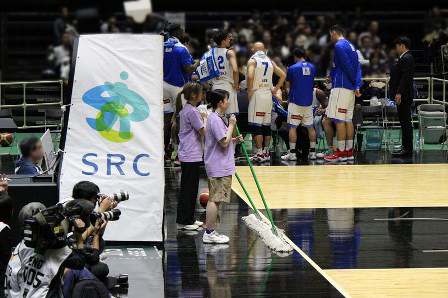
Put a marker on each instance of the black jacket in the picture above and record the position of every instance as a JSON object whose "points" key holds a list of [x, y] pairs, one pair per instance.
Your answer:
{"points": [[402, 78]]}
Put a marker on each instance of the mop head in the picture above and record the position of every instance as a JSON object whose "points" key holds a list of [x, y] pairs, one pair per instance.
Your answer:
{"points": [[273, 242]]}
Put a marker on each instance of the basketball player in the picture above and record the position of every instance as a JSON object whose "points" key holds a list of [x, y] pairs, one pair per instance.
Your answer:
{"points": [[345, 77], [178, 65], [226, 61], [300, 83], [259, 88]]}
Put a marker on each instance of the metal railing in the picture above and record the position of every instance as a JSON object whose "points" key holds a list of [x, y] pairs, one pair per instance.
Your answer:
{"points": [[443, 101], [25, 105]]}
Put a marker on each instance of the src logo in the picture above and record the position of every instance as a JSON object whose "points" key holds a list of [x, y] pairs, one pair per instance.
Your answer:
{"points": [[114, 108]]}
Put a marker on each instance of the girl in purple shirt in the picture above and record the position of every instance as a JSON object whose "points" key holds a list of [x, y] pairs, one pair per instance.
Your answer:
{"points": [[192, 128], [219, 161]]}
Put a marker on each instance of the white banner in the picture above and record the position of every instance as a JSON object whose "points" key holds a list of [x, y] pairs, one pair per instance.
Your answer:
{"points": [[114, 133]]}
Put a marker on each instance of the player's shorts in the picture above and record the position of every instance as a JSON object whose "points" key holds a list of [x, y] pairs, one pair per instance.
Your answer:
{"points": [[300, 115], [170, 93], [341, 104], [260, 108], [233, 101]]}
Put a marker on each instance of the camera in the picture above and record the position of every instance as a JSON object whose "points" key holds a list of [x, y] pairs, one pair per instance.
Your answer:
{"points": [[117, 196], [109, 216], [49, 227]]}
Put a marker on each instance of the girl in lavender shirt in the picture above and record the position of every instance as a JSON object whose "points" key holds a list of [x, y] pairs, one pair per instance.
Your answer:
{"points": [[219, 161], [192, 128]]}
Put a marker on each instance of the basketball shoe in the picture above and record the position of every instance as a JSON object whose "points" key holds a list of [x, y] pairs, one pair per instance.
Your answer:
{"points": [[338, 155], [289, 156], [349, 154], [325, 153]]}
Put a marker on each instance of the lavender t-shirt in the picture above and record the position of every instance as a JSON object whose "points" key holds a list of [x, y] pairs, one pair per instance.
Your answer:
{"points": [[190, 145], [219, 161]]}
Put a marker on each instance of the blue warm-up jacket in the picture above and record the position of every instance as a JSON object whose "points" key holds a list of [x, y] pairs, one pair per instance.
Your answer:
{"points": [[346, 71]]}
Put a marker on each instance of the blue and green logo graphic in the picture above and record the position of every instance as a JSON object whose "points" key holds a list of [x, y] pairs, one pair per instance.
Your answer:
{"points": [[114, 108]]}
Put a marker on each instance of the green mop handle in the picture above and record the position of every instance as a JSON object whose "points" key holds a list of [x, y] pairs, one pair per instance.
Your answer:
{"points": [[258, 185], [248, 196]]}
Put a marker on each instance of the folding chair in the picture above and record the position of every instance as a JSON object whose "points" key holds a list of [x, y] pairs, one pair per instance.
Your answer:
{"points": [[390, 115], [431, 124], [374, 115]]}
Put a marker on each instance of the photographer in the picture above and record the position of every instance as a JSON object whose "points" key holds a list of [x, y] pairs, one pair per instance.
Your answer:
{"points": [[6, 209], [45, 255], [13, 272]]}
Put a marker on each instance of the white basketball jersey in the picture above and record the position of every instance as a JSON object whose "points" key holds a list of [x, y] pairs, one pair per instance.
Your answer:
{"points": [[316, 102], [223, 63], [13, 276], [39, 270], [263, 73]]}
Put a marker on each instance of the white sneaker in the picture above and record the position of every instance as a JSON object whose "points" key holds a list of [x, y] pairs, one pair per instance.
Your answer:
{"points": [[214, 237], [198, 223], [289, 156], [320, 154], [312, 155], [187, 227], [266, 157], [256, 158]]}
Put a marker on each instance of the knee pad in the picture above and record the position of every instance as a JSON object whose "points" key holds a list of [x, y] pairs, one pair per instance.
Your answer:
{"points": [[266, 131], [257, 130]]}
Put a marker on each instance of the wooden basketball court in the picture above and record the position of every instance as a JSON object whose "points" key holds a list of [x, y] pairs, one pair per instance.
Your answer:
{"points": [[359, 186], [348, 186]]}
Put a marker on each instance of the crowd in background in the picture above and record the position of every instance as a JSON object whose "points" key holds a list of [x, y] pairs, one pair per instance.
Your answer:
{"points": [[278, 32]]}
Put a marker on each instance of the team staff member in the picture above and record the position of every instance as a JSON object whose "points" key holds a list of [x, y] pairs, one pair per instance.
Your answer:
{"points": [[32, 153], [345, 77], [178, 65], [219, 161], [402, 90], [226, 61], [191, 131], [300, 83], [260, 91]]}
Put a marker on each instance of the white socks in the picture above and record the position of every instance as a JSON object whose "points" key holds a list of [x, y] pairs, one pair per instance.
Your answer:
{"points": [[341, 145], [292, 147], [259, 151], [348, 144]]}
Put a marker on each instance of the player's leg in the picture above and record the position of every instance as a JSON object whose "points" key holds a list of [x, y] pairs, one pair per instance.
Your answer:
{"points": [[337, 110], [350, 131], [255, 122], [307, 121], [266, 131], [266, 128], [329, 136], [293, 123]]}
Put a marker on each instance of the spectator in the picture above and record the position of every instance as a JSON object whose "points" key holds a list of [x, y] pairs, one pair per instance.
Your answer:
{"points": [[373, 33], [366, 46], [61, 52], [352, 37], [32, 154], [110, 26], [267, 40], [287, 47], [60, 24]]}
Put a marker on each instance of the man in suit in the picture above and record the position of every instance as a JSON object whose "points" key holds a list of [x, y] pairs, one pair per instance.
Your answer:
{"points": [[402, 90]]}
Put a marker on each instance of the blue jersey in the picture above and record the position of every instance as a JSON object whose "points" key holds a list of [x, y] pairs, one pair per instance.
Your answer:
{"points": [[175, 58], [346, 71], [301, 78]]}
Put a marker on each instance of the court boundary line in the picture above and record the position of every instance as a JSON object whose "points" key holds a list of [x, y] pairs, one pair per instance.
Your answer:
{"points": [[303, 254]]}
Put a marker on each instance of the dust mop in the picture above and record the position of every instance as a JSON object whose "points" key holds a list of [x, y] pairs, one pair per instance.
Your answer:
{"points": [[270, 234]]}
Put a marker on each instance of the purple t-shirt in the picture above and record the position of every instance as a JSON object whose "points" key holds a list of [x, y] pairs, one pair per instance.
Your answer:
{"points": [[219, 161], [190, 145]]}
